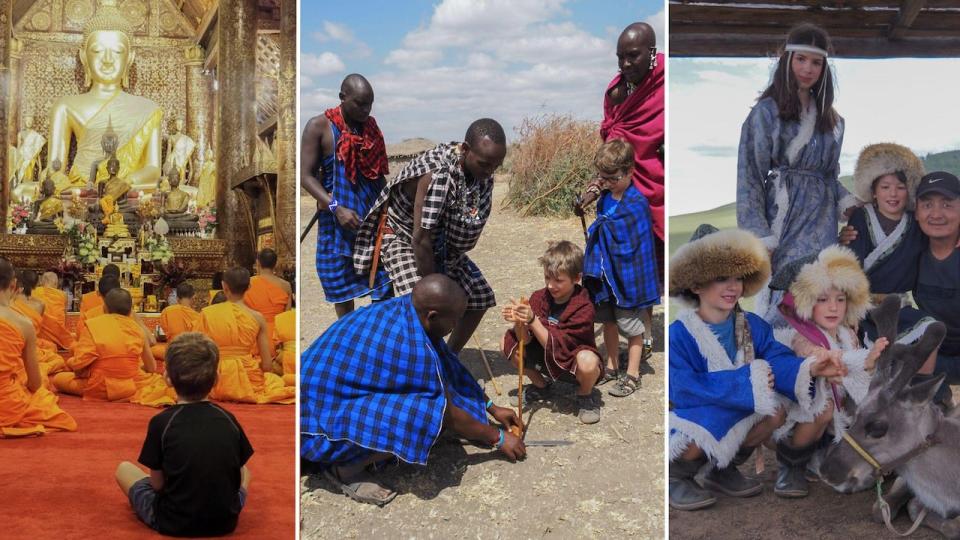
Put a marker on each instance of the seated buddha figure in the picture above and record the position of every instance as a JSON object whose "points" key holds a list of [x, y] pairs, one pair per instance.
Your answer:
{"points": [[49, 208], [106, 55], [176, 205], [113, 198]]}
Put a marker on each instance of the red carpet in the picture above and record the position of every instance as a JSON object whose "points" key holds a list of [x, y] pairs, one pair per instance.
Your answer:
{"points": [[61, 485]]}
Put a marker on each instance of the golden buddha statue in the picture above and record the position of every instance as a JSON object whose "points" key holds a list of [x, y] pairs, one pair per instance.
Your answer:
{"points": [[48, 210], [106, 55], [29, 145], [113, 197], [207, 181], [176, 205], [179, 151], [60, 180], [113, 219]]}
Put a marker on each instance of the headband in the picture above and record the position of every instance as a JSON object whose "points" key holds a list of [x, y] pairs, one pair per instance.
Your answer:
{"points": [[796, 47]]}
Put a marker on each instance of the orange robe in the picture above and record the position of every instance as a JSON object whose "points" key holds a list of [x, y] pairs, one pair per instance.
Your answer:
{"points": [[55, 300], [285, 333], [267, 298], [23, 413], [50, 362], [175, 320], [240, 378], [89, 301], [107, 365]]}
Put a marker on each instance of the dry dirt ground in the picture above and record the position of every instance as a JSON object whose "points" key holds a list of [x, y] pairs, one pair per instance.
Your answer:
{"points": [[823, 514], [609, 483]]}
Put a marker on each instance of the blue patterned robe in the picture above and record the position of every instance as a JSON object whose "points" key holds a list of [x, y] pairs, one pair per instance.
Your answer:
{"points": [[334, 257], [789, 196], [715, 401], [376, 382], [619, 263]]}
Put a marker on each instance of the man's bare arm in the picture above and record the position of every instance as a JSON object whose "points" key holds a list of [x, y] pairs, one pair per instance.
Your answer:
{"points": [[422, 238]]}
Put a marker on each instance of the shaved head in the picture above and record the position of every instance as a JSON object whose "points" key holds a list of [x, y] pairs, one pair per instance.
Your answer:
{"points": [[356, 98], [106, 284], [118, 301], [440, 303], [355, 83], [50, 279], [640, 32]]}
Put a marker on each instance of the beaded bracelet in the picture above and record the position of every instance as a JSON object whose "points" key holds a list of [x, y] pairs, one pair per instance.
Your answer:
{"points": [[499, 443], [489, 404]]}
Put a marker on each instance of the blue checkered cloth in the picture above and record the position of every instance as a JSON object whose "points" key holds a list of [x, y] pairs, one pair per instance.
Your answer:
{"points": [[619, 263], [376, 382], [335, 243]]}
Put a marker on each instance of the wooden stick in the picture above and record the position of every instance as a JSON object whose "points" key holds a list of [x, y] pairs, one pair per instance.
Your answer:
{"points": [[520, 329], [486, 364], [376, 246]]}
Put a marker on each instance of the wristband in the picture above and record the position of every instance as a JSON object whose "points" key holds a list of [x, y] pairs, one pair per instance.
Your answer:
{"points": [[533, 317], [489, 404], [332, 206], [499, 444]]}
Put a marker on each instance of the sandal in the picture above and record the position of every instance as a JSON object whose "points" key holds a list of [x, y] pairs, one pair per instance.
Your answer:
{"points": [[609, 375], [647, 351], [625, 386], [361, 488]]}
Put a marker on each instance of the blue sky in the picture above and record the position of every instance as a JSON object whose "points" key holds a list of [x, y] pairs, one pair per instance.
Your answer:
{"points": [[437, 65], [906, 100]]}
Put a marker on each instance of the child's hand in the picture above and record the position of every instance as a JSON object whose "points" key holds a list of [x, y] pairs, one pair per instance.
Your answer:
{"points": [[508, 314], [847, 234], [828, 364], [871, 362], [523, 313]]}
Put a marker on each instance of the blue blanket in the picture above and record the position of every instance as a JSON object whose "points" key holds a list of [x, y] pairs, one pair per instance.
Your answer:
{"points": [[619, 263], [376, 382]]}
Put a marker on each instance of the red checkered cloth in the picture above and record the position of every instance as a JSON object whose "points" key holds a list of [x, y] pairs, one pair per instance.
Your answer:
{"points": [[363, 153]]}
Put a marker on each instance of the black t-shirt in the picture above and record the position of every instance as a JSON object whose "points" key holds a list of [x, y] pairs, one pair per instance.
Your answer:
{"points": [[938, 285], [200, 448], [556, 310]]}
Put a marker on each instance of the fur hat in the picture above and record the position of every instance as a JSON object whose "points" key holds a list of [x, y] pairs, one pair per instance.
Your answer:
{"points": [[877, 160], [711, 254], [836, 266]]}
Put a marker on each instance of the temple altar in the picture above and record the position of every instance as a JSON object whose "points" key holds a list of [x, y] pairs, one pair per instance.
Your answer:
{"points": [[165, 90]]}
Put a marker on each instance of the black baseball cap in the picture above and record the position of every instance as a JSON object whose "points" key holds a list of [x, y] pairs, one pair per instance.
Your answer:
{"points": [[940, 182]]}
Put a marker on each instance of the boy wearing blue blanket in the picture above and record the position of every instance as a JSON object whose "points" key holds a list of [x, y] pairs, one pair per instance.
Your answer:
{"points": [[619, 263], [729, 378], [381, 383]]}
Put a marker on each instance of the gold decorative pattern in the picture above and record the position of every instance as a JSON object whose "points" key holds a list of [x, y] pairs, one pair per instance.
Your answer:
{"points": [[201, 257], [33, 251]]}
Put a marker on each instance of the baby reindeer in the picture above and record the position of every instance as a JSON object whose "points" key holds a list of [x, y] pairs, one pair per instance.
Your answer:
{"points": [[902, 431]]}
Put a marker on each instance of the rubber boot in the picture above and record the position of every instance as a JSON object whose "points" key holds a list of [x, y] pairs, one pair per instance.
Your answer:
{"points": [[730, 481], [685, 494], [791, 479]]}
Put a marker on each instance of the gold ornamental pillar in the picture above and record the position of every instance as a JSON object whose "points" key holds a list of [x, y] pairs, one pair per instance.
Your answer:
{"points": [[6, 36], [285, 232], [199, 120], [237, 99]]}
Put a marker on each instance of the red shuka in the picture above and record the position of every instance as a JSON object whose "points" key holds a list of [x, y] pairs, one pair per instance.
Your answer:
{"points": [[572, 333]]}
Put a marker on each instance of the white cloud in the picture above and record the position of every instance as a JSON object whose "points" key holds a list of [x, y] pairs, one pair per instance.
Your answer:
{"points": [[412, 58], [335, 32], [659, 22], [325, 63], [305, 82]]}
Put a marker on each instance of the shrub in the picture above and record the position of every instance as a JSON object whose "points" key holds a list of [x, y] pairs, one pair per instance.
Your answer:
{"points": [[550, 164]]}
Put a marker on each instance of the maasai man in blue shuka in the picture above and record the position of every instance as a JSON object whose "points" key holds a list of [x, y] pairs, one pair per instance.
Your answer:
{"points": [[729, 377], [345, 148], [381, 383]]}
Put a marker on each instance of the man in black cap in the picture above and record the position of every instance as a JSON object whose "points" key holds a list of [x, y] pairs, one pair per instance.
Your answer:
{"points": [[937, 291]]}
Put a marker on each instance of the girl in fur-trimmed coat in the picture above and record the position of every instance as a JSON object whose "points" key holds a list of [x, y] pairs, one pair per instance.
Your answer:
{"points": [[827, 297], [788, 194], [727, 372]]}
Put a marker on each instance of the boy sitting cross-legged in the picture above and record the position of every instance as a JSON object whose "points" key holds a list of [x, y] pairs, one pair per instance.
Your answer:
{"points": [[560, 343], [195, 450]]}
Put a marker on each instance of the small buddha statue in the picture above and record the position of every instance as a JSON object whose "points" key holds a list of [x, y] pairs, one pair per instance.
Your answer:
{"points": [[207, 181], [175, 207], [29, 143], [113, 219], [49, 208], [179, 151], [60, 179], [115, 189]]}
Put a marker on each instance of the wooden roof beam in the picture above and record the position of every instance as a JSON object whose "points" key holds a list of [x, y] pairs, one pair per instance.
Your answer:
{"points": [[751, 46], [909, 9]]}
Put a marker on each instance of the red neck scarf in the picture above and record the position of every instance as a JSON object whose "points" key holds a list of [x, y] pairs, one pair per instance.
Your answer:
{"points": [[639, 120], [363, 153], [807, 329]]}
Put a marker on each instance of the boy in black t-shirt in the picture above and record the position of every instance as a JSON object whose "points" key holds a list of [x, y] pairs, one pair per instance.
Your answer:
{"points": [[195, 451]]}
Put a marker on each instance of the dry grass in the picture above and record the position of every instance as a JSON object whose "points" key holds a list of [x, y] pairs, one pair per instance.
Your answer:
{"points": [[550, 164]]}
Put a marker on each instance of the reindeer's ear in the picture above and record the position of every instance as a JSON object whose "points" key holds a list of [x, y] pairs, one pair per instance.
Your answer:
{"points": [[885, 316], [924, 392]]}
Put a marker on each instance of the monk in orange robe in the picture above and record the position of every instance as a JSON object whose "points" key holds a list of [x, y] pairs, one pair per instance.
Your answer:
{"points": [[112, 360], [268, 294], [241, 335], [285, 333], [94, 299], [48, 291], [34, 310], [26, 407], [177, 319], [106, 284]]}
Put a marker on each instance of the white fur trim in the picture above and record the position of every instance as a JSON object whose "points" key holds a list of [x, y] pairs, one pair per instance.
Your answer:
{"points": [[770, 242], [857, 382], [707, 342], [684, 432], [802, 387], [847, 201], [764, 401], [882, 241], [808, 121]]}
